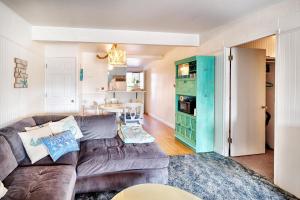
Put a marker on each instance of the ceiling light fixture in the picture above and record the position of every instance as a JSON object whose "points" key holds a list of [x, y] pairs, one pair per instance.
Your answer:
{"points": [[115, 56]]}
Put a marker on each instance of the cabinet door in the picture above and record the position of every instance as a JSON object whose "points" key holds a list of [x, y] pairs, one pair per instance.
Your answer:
{"points": [[193, 123], [180, 131], [193, 136], [190, 136], [186, 87]]}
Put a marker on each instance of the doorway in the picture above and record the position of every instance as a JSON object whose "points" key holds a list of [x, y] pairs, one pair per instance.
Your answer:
{"points": [[252, 98], [61, 85]]}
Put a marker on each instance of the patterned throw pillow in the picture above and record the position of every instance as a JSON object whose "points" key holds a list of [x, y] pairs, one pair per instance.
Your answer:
{"points": [[66, 124], [33, 145], [60, 144]]}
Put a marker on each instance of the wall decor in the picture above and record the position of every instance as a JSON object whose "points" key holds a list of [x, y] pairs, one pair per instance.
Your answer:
{"points": [[81, 74], [20, 74]]}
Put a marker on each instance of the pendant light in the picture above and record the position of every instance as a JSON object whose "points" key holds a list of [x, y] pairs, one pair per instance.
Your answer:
{"points": [[115, 56]]}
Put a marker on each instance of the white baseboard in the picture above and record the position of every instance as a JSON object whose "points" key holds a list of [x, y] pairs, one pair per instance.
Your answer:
{"points": [[162, 121]]}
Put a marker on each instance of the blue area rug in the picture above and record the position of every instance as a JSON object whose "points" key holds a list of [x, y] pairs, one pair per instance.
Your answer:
{"points": [[211, 176]]}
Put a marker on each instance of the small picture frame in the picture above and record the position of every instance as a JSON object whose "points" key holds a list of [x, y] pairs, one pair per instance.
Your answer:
{"points": [[21, 77]]}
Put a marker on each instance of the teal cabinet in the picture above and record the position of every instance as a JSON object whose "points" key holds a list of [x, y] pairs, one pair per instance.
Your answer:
{"points": [[196, 131]]}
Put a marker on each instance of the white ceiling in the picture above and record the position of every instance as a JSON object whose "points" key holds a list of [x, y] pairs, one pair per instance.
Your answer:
{"points": [[181, 16], [188, 16]]}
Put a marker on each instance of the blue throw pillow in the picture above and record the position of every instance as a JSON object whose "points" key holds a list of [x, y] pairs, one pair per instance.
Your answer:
{"points": [[60, 144]]}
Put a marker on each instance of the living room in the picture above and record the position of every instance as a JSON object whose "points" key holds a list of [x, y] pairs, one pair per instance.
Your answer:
{"points": [[150, 95]]}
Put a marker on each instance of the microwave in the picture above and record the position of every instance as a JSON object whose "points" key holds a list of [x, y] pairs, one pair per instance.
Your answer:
{"points": [[187, 104]]}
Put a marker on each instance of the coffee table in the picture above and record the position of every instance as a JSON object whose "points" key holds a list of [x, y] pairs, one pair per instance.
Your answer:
{"points": [[154, 192]]}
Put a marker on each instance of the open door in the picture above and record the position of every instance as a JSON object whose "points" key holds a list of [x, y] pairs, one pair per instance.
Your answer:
{"points": [[248, 99]]}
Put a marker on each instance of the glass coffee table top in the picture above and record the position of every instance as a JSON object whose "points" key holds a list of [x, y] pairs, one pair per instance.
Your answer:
{"points": [[154, 192]]}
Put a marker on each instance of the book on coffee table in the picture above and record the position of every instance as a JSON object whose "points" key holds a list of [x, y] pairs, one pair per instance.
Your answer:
{"points": [[134, 133]]}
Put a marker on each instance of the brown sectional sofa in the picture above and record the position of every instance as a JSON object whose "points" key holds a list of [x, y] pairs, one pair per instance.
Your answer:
{"points": [[104, 162]]}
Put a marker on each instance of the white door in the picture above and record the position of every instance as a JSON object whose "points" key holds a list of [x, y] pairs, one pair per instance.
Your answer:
{"points": [[248, 97], [61, 85]]}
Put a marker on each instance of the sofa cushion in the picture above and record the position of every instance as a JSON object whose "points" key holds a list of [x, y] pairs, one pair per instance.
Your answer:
{"points": [[67, 159], [7, 159], [98, 127], [43, 119], [47, 183], [11, 135], [112, 155], [92, 127]]}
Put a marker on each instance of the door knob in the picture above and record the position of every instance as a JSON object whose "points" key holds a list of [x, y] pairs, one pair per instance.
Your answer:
{"points": [[264, 107], [72, 101]]}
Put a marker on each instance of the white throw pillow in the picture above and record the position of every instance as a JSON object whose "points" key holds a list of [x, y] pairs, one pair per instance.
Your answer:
{"points": [[3, 190], [36, 127], [33, 145], [65, 124]]}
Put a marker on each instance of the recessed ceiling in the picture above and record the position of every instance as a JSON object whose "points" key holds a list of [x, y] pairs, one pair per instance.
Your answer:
{"points": [[137, 55], [187, 16], [131, 49]]}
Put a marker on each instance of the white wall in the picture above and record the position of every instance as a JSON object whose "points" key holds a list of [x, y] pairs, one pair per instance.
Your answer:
{"points": [[287, 119], [95, 73], [220, 108], [284, 15], [160, 80], [15, 42], [94, 79], [267, 43]]}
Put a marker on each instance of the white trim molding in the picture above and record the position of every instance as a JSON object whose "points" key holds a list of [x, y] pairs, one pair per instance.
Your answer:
{"points": [[64, 34]]}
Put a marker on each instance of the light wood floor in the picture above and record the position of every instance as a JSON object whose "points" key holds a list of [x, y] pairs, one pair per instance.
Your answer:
{"points": [[165, 137]]}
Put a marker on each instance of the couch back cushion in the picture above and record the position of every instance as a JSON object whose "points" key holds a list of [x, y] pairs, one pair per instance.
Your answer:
{"points": [[92, 127], [98, 127], [8, 161], [43, 119], [10, 133]]}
